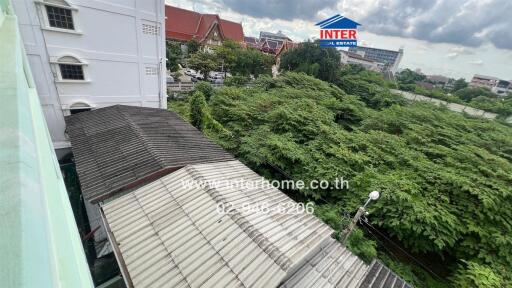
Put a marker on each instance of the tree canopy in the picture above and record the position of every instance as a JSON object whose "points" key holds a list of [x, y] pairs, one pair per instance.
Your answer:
{"points": [[445, 179], [310, 58]]}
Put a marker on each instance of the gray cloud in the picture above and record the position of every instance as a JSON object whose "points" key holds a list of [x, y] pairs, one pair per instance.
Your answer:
{"points": [[280, 9], [468, 23]]}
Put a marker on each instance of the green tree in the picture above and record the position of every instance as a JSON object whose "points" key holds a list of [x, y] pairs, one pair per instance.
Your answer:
{"points": [[192, 47], [205, 88], [472, 274], [252, 62], [466, 94], [173, 54], [407, 76], [320, 62], [203, 62], [227, 54], [198, 110], [459, 84]]}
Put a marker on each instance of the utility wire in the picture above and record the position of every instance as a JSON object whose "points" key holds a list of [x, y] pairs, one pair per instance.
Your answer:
{"points": [[402, 250]]}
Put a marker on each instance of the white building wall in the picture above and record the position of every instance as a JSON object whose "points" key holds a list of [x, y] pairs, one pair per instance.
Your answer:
{"points": [[121, 44]]}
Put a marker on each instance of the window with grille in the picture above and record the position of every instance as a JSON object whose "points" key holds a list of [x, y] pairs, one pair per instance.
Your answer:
{"points": [[71, 72], [60, 17]]}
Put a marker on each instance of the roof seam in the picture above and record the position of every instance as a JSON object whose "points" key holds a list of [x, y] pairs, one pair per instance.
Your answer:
{"points": [[266, 245], [226, 263], [158, 235]]}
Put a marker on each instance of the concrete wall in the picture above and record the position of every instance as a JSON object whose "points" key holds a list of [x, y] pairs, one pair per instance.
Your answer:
{"points": [[121, 44], [452, 106]]}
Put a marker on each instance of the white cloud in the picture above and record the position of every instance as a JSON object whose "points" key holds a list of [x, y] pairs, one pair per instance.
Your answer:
{"points": [[478, 62]]}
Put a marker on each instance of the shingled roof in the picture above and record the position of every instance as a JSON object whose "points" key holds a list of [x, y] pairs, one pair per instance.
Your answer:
{"points": [[120, 147]]}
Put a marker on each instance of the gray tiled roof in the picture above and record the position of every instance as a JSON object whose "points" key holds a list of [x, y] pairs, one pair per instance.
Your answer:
{"points": [[119, 147], [170, 232]]}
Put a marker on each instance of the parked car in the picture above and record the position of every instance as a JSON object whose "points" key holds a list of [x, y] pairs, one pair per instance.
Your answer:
{"points": [[216, 74], [190, 72], [199, 77], [170, 79], [216, 79]]}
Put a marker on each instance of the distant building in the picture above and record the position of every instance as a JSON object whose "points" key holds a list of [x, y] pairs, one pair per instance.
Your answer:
{"points": [[388, 58], [285, 47], [252, 42], [356, 58], [80, 64], [207, 29], [496, 85], [483, 81], [503, 87], [440, 81], [271, 42]]}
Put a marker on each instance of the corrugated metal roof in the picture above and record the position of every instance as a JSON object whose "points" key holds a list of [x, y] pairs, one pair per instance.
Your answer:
{"points": [[121, 146], [167, 232], [381, 276], [333, 266], [170, 231]]}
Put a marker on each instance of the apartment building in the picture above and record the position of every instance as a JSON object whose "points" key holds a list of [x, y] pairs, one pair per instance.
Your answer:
{"points": [[355, 58], [389, 59], [91, 54], [496, 85]]}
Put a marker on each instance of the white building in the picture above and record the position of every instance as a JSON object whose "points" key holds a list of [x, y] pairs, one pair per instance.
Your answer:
{"points": [[86, 54], [390, 59], [356, 58]]}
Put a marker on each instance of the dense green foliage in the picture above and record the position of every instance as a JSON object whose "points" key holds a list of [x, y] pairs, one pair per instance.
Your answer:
{"points": [[204, 62], [197, 110], [205, 88], [231, 57], [173, 54], [472, 274], [459, 84], [407, 76], [310, 58], [445, 179]]}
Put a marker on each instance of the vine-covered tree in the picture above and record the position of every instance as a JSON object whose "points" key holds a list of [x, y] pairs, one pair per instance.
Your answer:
{"points": [[198, 110]]}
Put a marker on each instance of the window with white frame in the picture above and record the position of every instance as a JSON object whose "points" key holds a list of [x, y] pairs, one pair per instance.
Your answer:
{"points": [[58, 15], [70, 69]]}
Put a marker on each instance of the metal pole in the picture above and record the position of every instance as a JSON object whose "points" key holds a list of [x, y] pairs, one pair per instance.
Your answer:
{"points": [[374, 195], [346, 233]]}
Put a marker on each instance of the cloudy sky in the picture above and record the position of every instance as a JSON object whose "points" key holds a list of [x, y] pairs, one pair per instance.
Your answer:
{"points": [[449, 37]]}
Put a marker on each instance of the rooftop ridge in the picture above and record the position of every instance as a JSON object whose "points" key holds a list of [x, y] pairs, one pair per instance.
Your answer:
{"points": [[141, 133]]}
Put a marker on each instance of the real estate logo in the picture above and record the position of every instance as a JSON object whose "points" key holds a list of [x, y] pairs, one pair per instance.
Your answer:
{"points": [[338, 31]]}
